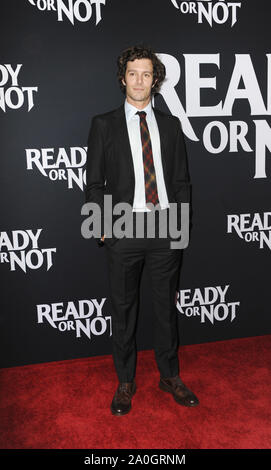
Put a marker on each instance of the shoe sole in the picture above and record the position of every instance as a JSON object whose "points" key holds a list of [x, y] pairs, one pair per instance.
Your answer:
{"points": [[167, 389]]}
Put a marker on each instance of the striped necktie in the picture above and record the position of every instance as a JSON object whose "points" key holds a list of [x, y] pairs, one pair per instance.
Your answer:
{"points": [[149, 170]]}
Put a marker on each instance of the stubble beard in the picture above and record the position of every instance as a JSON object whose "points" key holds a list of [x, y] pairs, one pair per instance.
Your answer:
{"points": [[139, 98]]}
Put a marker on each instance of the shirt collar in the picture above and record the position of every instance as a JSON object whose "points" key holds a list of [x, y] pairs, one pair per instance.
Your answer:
{"points": [[131, 110]]}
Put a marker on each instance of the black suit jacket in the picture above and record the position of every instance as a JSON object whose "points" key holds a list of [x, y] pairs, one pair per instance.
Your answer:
{"points": [[110, 168]]}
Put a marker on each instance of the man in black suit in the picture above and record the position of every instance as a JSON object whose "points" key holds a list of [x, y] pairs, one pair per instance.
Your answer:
{"points": [[136, 154]]}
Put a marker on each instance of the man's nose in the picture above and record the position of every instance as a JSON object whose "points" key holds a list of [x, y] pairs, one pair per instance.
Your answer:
{"points": [[139, 79]]}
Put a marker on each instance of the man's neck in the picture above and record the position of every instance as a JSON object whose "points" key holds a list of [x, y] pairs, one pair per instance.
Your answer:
{"points": [[138, 104]]}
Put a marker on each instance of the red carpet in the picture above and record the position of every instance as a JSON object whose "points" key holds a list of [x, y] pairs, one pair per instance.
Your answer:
{"points": [[66, 405]]}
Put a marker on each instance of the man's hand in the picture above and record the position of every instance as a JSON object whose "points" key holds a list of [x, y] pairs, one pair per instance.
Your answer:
{"points": [[102, 238]]}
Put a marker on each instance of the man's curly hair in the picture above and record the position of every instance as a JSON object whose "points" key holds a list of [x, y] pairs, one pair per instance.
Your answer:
{"points": [[141, 52]]}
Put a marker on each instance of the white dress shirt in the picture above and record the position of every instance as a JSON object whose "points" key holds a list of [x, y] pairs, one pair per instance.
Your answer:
{"points": [[133, 125]]}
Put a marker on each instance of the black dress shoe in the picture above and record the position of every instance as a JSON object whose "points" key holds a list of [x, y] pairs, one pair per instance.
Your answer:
{"points": [[121, 403], [180, 392]]}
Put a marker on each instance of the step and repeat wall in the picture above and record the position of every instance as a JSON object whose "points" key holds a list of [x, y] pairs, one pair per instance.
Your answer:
{"points": [[57, 70]]}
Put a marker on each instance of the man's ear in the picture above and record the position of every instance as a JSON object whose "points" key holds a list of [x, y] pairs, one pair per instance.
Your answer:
{"points": [[154, 82], [123, 81]]}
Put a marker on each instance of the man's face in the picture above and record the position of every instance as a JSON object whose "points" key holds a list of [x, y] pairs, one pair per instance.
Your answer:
{"points": [[138, 80]]}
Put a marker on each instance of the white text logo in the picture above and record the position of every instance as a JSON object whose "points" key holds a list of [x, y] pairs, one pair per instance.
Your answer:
{"points": [[218, 136], [80, 10], [82, 316], [21, 249], [12, 95], [207, 303], [251, 227], [59, 164], [218, 12]]}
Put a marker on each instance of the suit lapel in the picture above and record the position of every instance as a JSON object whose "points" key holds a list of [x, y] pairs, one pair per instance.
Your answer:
{"points": [[162, 126]]}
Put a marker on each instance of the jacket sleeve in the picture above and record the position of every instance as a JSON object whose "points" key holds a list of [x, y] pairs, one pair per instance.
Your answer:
{"points": [[182, 184], [95, 169]]}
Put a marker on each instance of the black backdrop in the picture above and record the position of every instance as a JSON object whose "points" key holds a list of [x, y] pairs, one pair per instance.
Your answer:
{"points": [[58, 69]]}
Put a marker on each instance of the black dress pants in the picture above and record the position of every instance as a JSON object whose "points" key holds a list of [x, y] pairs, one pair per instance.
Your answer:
{"points": [[125, 263]]}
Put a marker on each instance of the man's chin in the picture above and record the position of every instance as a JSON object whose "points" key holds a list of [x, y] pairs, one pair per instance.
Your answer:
{"points": [[140, 98]]}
